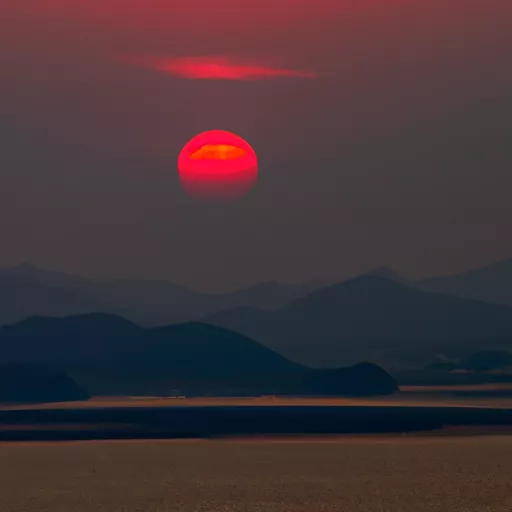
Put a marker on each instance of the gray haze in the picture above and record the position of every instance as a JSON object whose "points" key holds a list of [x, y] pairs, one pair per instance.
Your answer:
{"points": [[398, 153]]}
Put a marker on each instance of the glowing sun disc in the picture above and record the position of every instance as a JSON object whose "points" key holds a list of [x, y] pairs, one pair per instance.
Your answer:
{"points": [[218, 165]]}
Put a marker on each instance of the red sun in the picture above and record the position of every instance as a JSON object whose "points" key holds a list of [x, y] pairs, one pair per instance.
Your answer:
{"points": [[218, 165]]}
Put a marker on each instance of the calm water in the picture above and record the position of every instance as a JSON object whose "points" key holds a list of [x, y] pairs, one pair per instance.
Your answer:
{"points": [[374, 474]]}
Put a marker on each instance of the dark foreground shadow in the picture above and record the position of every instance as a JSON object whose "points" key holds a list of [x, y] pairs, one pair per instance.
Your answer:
{"points": [[219, 421]]}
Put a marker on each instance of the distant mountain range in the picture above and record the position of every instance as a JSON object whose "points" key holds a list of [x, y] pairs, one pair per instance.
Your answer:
{"points": [[381, 316], [376, 319], [492, 283], [26, 290], [106, 354]]}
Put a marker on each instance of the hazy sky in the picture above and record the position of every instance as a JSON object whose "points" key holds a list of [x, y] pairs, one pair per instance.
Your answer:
{"points": [[383, 128]]}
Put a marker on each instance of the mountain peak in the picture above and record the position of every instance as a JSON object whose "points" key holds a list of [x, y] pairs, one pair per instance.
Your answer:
{"points": [[28, 272], [491, 283], [387, 273], [89, 320], [25, 267], [358, 290], [371, 283]]}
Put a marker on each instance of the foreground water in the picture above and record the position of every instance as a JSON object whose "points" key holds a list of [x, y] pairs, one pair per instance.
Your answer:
{"points": [[376, 474]]}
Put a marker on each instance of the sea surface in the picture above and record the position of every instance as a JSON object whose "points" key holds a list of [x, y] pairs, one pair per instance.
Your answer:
{"points": [[411, 473]]}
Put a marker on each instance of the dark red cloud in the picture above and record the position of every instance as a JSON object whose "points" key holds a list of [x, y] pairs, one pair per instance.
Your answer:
{"points": [[379, 63], [217, 68]]}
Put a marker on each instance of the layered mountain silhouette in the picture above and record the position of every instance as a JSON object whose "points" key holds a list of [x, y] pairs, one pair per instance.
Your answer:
{"points": [[21, 299], [26, 290], [109, 355], [381, 316], [28, 273], [492, 283], [377, 319], [387, 273]]}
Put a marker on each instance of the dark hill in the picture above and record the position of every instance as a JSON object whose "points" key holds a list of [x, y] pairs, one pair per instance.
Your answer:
{"points": [[202, 359], [376, 319], [244, 320], [33, 383], [73, 340], [358, 380], [109, 355], [201, 350]]}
